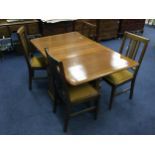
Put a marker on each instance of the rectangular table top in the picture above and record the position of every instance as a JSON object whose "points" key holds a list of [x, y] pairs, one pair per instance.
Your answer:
{"points": [[84, 60]]}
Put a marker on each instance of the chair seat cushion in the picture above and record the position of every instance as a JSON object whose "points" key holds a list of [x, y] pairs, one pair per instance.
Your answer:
{"points": [[38, 62], [82, 92], [119, 77]]}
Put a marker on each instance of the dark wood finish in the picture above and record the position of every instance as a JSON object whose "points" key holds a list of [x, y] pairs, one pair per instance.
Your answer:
{"points": [[31, 26], [111, 28], [131, 25], [4, 31], [38, 64], [57, 28], [86, 27], [84, 60], [134, 47], [107, 29], [62, 91], [103, 28]]}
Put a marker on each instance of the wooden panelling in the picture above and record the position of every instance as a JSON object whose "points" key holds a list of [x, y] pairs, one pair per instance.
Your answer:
{"points": [[105, 28], [131, 25], [111, 28], [78, 25], [6, 28], [4, 31], [57, 28], [33, 28], [13, 28]]}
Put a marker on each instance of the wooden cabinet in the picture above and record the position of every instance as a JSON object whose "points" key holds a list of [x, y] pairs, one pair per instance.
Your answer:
{"points": [[57, 27], [131, 25], [111, 28], [105, 28], [4, 31], [13, 28], [6, 28], [78, 26], [33, 28]]}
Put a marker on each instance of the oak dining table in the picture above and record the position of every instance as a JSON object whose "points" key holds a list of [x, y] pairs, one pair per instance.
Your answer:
{"points": [[84, 60]]}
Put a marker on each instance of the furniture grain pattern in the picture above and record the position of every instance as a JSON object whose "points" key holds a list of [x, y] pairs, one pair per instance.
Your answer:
{"points": [[84, 60], [131, 25], [105, 28], [32, 27], [57, 28]]}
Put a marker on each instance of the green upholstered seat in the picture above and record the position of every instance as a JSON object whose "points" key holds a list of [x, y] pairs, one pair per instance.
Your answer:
{"points": [[82, 92], [119, 77], [38, 62]]}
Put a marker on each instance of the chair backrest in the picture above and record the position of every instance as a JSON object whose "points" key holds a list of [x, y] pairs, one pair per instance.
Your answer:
{"points": [[25, 44], [134, 46], [50, 75], [57, 80]]}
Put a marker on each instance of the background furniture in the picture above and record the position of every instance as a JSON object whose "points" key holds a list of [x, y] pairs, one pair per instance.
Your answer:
{"points": [[150, 21], [5, 45], [112, 28], [87, 29], [79, 26], [7, 28], [52, 27], [134, 47], [131, 25], [105, 28]]}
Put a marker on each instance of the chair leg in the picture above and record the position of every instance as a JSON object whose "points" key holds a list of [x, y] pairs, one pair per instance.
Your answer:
{"points": [[132, 89], [66, 120], [30, 79], [56, 102], [112, 97], [97, 108], [32, 73], [54, 107]]}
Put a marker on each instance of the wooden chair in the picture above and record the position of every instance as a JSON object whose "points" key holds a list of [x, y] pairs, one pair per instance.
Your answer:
{"points": [[51, 87], [69, 95], [134, 47], [88, 29], [33, 62]]}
